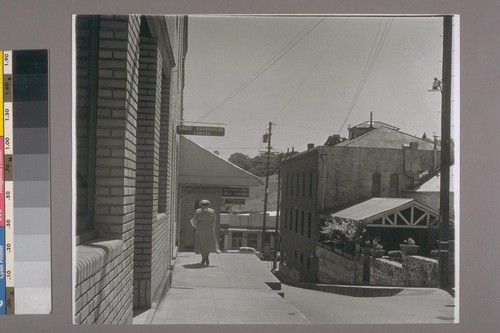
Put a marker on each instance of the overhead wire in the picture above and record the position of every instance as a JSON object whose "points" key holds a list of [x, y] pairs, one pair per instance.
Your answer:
{"points": [[376, 47], [265, 67], [294, 95], [372, 58]]}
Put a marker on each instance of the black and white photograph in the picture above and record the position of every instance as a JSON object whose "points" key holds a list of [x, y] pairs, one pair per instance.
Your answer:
{"points": [[271, 166], [266, 169]]}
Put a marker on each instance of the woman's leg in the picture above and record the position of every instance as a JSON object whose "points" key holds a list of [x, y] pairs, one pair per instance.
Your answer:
{"points": [[204, 258]]}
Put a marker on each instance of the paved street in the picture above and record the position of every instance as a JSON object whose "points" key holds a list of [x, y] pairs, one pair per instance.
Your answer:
{"points": [[409, 306], [234, 290]]}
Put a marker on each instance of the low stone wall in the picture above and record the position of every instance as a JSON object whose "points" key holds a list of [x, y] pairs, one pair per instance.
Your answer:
{"points": [[414, 271], [100, 296], [420, 271], [335, 269], [385, 272]]}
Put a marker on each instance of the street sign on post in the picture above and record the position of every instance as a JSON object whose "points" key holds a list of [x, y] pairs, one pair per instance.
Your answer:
{"points": [[200, 130], [239, 192], [234, 201]]}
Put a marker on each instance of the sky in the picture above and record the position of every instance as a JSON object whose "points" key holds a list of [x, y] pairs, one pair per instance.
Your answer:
{"points": [[310, 76]]}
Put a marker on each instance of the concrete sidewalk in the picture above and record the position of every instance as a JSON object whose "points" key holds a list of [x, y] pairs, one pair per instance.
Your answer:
{"points": [[234, 289]]}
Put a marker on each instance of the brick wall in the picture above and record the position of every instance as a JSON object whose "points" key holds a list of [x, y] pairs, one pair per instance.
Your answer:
{"points": [[115, 158], [148, 145], [102, 288], [135, 165]]}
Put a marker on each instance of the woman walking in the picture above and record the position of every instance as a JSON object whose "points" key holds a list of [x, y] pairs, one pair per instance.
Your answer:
{"points": [[205, 239]]}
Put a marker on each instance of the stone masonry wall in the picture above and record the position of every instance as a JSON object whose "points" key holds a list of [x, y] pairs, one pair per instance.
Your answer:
{"points": [[349, 172], [335, 269], [420, 271], [385, 272], [414, 271]]}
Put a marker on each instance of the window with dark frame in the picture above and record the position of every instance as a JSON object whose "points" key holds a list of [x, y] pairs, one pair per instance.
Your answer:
{"points": [[394, 186], [296, 221], [303, 184], [309, 224], [310, 184], [302, 224], [298, 183], [88, 40], [376, 177]]}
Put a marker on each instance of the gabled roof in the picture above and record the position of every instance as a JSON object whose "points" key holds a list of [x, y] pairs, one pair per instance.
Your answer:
{"points": [[372, 207], [374, 124], [390, 212], [385, 137], [200, 166], [433, 184]]}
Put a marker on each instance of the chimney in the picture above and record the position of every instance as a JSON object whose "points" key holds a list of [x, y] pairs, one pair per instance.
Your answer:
{"points": [[310, 146], [371, 119]]}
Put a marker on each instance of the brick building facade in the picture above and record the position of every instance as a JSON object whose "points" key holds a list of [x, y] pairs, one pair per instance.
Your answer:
{"points": [[129, 83], [379, 162]]}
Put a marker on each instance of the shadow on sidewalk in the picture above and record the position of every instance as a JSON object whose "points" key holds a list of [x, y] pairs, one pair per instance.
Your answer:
{"points": [[195, 266]]}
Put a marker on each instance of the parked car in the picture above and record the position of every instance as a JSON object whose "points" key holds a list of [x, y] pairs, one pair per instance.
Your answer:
{"points": [[248, 250]]}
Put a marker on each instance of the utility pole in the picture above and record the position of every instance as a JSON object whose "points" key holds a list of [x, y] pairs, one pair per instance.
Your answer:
{"points": [[267, 138], [444, 209], [276, 227]]}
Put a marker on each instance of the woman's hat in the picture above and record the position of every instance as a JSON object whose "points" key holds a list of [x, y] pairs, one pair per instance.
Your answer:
{"points": [[204, 203]]}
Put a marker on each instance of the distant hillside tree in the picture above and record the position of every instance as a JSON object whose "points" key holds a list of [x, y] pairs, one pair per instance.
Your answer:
{"points": [[257, 164], [241, 160]]}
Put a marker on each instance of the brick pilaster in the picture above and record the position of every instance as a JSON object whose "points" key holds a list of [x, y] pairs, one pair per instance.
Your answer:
{"points": [[116, 126], [148, 145]]}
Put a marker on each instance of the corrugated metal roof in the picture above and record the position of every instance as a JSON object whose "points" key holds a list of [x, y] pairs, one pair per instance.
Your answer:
{"points": [[374, 124], [384, 137], [434, 183], [200, 166], [372, 207]]}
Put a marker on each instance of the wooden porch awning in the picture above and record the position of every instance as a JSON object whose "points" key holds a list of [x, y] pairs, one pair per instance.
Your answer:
{"points": [[390, 213]]}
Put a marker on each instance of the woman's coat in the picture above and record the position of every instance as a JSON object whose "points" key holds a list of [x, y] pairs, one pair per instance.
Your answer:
{"points": [[205, 238]]}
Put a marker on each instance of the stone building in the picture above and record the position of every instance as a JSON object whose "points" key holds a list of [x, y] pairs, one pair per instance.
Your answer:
{"points": [[377, 161], [129, 85]]}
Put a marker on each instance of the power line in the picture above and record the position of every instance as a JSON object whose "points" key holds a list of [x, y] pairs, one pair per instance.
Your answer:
{"points": [[372, 58], [294, 95], [264, 68]]}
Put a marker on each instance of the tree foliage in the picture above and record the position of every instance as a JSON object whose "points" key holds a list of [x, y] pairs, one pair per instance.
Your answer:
{"points": [[334, 139], [257, 165]]}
